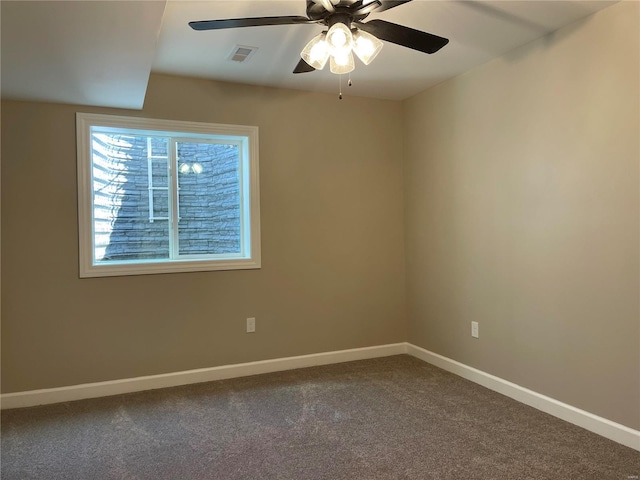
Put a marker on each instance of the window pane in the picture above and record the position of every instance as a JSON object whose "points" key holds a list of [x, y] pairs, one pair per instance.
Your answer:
{"points": [[123, 212], [160, 204], [208, 198], [160, 173]]}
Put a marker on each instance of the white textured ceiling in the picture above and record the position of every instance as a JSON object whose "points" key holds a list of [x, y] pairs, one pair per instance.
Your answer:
{"points": [[79, 52], [101, 52]]}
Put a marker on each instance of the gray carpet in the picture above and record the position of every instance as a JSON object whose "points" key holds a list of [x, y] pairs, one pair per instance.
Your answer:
{"points": [[388, 418]]}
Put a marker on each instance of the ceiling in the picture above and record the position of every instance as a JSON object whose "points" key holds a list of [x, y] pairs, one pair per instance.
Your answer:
{"points": [[102, 52]]}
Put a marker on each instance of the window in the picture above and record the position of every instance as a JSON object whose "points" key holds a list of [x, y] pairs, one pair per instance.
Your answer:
{"points": [[158, 196]]}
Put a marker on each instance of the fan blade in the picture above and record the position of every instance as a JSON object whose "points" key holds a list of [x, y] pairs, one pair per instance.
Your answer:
{"points": [[387, 4], [360, 8], [326, 4], [247, 22], [404, 36], [318, 9], [303, 67]]}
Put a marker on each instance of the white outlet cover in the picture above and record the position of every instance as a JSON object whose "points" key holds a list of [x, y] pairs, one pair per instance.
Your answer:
{"points": [[251, 325], [474, 330]]}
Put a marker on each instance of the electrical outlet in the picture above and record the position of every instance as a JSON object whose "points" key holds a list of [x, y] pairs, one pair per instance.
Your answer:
{"points": [[474, 330], [251, 325]]}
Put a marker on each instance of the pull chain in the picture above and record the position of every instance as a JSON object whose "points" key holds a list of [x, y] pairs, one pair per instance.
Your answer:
{"points": [[349, 83]]}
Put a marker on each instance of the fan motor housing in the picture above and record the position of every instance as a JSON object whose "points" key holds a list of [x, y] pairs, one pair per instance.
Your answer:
{"points": [[343, 14]]}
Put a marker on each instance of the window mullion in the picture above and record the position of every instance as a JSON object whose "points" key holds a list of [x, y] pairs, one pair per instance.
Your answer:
{"points": [[245, 234], [150, 179], [173, 198]]}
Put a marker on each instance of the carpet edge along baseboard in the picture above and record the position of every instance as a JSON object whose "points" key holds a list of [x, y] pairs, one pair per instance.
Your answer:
{"points": [[151, 382], [594, 423]]}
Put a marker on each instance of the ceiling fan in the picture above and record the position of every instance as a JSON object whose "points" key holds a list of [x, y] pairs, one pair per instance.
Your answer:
{"points": [[346, 33]]}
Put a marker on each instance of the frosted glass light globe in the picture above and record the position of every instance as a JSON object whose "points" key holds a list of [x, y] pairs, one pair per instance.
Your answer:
{"points": [[366, 46], [316, 52], [339, 37]]}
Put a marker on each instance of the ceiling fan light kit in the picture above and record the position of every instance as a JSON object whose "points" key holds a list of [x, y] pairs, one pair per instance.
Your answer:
{"points": [[338, 44], [347, 33]]}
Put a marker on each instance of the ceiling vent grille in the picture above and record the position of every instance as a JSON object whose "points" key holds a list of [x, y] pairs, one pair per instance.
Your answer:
{"points": [[242, 53]]}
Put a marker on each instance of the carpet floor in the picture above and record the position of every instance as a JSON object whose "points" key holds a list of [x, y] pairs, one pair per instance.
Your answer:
{"points": [[386, 418]]}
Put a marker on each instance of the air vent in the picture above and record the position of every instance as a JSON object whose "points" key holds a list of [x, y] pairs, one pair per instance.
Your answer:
{"points": [[242, 53]]}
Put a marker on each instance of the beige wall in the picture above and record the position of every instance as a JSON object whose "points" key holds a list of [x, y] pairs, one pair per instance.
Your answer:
{"points": [[332, 244], [521, 213]]}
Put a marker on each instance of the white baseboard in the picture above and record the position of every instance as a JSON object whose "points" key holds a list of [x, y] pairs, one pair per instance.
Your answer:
{"points": [[115, 387], [606, 428]]}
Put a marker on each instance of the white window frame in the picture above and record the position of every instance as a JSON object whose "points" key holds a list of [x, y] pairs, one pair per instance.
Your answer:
{"points": [[246, 136]]}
